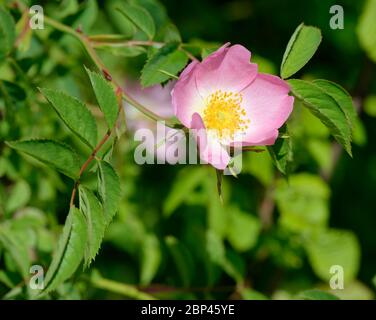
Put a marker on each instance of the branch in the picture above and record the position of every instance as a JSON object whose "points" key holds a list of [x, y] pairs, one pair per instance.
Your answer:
{"points": [[120, 288], [88, 46]]}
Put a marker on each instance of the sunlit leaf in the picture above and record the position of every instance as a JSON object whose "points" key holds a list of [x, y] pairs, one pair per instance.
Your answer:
{"points": [[370, 105], [250, 294], [303, 202], [331, 248], [300, 49], [355, 290], [366, 29]]}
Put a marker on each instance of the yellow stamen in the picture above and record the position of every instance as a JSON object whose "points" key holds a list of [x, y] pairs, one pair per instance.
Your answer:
{"points": [[224, 114]]}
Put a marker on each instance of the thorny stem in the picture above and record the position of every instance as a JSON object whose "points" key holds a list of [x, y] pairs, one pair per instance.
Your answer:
{"points": [[87, 162]]}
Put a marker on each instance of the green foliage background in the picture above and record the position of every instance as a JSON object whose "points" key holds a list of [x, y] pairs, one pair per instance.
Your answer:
{"points": [[273, 238]]}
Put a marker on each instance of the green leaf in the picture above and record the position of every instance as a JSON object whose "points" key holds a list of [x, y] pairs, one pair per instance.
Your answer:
{"points": [[259, 165], [334, 247], [75, 115], [370, 106], [182, 259], [140, 18], [355, 290], [170, 33], [14, 96], [95, 220], [7, 32], [324, 107], [19, 196], [184, 184], [366, 29], [217, 254], [217, 213], [16, 247], [300, 49], [24, 42], [243, 230], [106, 97], [250, 294], [302, 202], [127, 236], [124, 51], [168, 59], [207, 51], [315, 294], [281, 152], [359, 133], [126, 27], [87, 16], [70, 250], [54, 154], [151, 258], [341, 96], [4, 279], [109, 189]]}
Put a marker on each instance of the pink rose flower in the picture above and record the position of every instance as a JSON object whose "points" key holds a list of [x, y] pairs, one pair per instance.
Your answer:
{"points": [[226, 97]]}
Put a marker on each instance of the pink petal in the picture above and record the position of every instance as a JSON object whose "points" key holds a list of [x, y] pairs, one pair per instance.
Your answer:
{"points": [[210, 150], [268, 106], [185, 97], [228, 69]]}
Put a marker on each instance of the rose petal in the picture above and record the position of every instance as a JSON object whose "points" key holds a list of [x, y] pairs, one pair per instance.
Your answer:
{"points": [[185, 97], [268, 106], [210, 150], [227, 69]]}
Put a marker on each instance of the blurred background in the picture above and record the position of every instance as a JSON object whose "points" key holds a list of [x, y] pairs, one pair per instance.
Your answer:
{"points": [[273, 238]]}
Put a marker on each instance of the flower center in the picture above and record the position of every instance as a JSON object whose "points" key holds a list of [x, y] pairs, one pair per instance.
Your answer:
{"points": [[224, 114]]}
